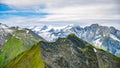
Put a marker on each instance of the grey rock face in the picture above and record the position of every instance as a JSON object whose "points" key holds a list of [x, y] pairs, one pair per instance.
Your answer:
{"points": [[3, 33], [71, 52]]}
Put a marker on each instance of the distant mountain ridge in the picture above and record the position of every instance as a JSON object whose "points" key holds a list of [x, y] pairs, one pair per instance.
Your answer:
{"points": [[22, 48], [107, 38]]}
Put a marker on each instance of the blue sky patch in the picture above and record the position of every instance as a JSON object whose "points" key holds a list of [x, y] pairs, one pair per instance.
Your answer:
{"points": [[4, 7], [27, 14]]}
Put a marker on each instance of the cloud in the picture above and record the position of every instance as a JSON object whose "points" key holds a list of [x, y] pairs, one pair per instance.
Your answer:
{"points": [[36, 21], [76, 9], [76, 13], [70, 11], [21, 21], [56, 3]]}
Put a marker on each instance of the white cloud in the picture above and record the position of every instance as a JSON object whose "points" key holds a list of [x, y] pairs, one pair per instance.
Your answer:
{"points": [[65, 10], [76, 13], [35, 21], [18, 3], [20, 21], [71, 12], [56, 3], [28, 3]]}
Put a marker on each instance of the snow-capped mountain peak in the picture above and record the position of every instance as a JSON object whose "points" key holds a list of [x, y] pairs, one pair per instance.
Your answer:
{"points": [[44, 27], [103, 37]]}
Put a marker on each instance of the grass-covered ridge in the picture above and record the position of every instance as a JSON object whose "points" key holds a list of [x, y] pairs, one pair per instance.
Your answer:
{"points": [[10, 49], [30, 58], [26, 36], [17, 41]]}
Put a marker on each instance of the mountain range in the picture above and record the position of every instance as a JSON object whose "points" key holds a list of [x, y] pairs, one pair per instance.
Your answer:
{"points": [[103, 37], [22, 48]]}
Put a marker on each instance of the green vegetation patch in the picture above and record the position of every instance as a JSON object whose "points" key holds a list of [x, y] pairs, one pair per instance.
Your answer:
{"points": [[30, 58], [10, 49]]}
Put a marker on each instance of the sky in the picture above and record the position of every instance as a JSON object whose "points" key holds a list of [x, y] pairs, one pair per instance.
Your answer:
{"points": [[25, 13]]}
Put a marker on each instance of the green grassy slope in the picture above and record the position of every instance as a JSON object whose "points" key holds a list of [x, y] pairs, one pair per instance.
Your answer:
{"points": [[30, 58], [18, 41], [26, 36], [10, 49]]}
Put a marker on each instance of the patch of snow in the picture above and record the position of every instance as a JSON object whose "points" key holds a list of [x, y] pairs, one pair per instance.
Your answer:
{"points": [[97, 43], [98, 36], [113, 37], [10, 30], [58, 28], [17, 37], [3, 26], [20, 29], [118, 52], [27, 31], [94, 49], [6, 40], [13, 34]]}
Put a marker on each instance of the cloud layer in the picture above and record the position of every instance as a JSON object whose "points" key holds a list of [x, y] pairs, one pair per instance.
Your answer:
{"points": [[62, 11]]}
